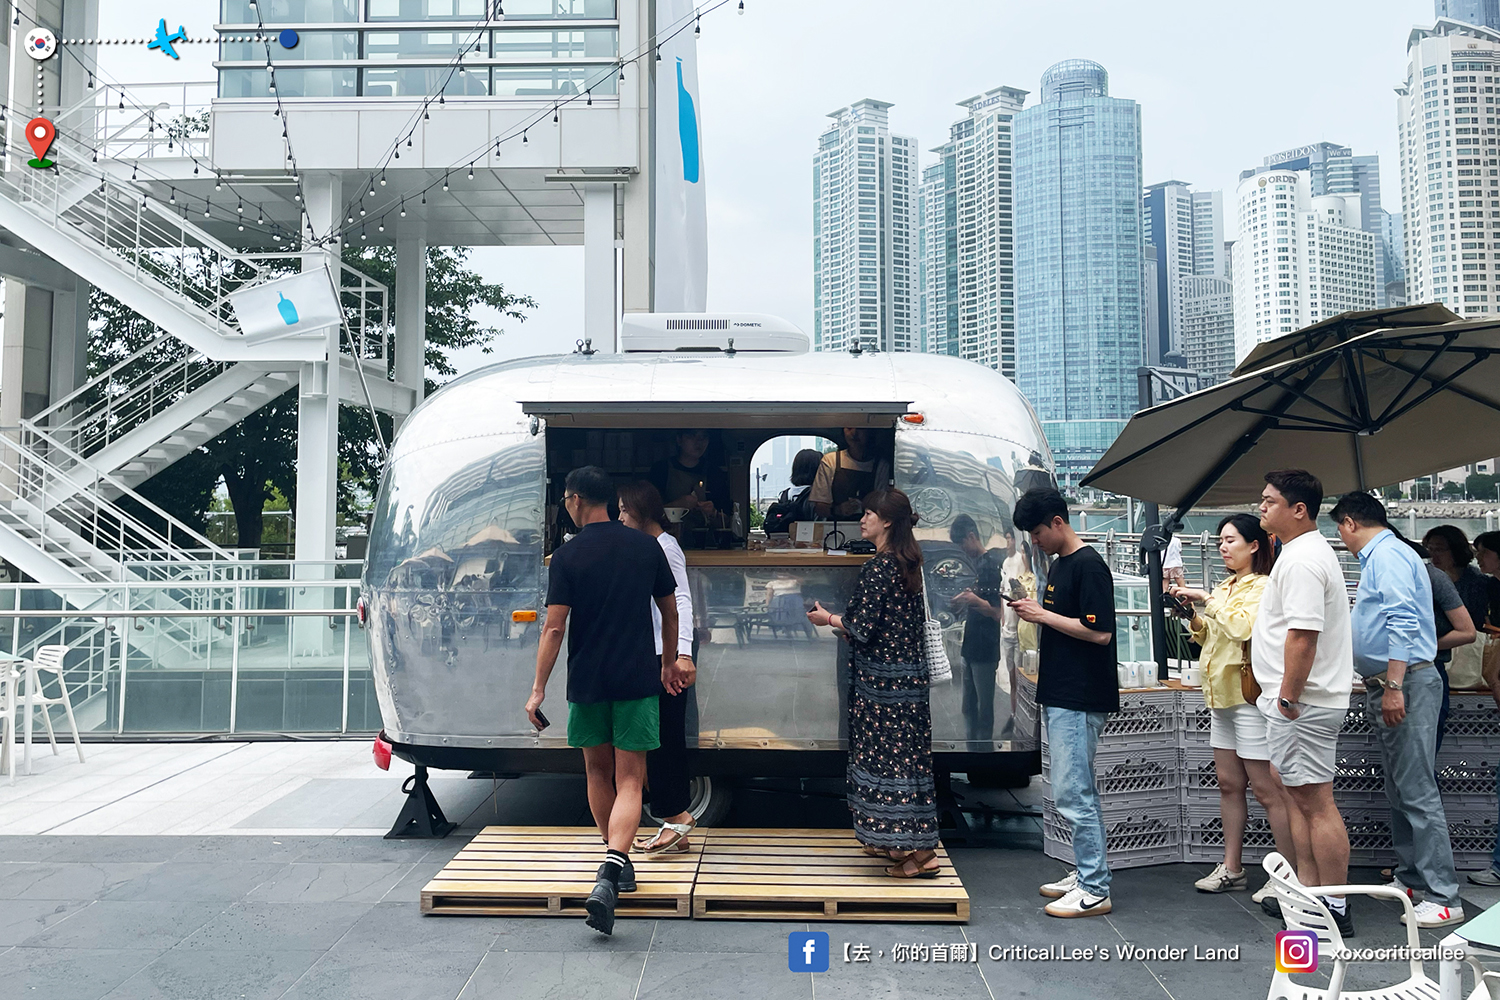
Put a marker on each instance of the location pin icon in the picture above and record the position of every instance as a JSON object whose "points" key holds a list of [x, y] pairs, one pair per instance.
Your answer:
{"points": [[40, 132]]}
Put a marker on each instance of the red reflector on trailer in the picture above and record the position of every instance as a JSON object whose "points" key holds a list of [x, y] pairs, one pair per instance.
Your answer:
{"points": [[382, 751]]}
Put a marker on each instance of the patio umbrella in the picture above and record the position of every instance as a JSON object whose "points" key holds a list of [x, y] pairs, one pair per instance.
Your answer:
{"points": [[1371, 409], [1337, 329]]}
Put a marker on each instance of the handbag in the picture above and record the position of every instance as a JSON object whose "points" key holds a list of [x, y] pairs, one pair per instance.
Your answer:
{"points": [[939, 670], [1249, 686]]}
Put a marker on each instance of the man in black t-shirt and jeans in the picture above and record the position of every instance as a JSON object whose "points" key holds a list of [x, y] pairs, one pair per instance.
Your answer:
{"points": [[602, 582], [1077, 684]]}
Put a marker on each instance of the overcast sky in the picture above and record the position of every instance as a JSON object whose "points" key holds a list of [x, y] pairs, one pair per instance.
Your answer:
{"points": [[1220, 86]]}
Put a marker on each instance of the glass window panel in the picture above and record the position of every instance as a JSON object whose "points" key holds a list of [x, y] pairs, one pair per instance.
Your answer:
{"points": [[420, 81], [332, 82], [529, 46], [312, 46], [291, 11], [553, 81], [426, 10], [544, 10], [427, 45]]}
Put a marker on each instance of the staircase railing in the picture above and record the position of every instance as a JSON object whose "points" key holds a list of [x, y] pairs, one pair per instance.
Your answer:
{"points": [[28, 476]]}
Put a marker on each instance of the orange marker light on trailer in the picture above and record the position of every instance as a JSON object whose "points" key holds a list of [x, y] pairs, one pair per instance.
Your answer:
{"points": [[914, 418], [523, 616]]}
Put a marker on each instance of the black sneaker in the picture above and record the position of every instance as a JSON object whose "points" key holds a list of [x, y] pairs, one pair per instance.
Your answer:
{"points": [[1272, 907], [601, 906], [1344, 921], [627, 878]]}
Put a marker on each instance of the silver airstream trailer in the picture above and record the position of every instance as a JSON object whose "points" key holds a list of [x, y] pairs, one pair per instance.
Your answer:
{"points": [[468, 513]]}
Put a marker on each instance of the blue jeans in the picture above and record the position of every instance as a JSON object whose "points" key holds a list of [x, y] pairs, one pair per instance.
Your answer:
{"points": [[1072, 738], [1419, 828]]}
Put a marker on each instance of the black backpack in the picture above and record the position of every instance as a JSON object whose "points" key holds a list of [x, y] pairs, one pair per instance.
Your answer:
{"points": [[788, 509]]}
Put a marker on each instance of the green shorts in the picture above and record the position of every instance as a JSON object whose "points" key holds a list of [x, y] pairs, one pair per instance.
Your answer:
{"points": [[625, 725]]}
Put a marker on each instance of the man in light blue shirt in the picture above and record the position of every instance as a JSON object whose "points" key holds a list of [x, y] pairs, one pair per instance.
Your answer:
{"points": [[1395, 641]]}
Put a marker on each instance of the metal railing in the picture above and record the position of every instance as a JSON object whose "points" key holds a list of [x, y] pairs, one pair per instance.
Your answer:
{"points": [[262, 657], [1200, 556], [142, 120]]}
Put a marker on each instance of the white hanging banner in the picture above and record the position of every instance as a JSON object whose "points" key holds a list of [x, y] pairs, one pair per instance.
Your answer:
{"points": [[681, 244], [286, 307]]}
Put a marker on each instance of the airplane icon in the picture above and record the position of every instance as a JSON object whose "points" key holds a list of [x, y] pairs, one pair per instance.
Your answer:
{"points": [[163, 41]]}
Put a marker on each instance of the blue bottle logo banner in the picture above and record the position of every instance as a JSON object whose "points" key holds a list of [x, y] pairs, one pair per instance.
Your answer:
{"points": [[288, 310], [687, 129], [288, 306]]}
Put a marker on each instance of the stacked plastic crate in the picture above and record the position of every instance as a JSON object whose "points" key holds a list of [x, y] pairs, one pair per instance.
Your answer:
{"points": [[1136, 772], [1466, 778]]}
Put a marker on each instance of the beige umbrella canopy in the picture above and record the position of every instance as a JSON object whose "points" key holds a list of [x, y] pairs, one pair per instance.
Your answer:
{"points": [[1337, 329], [1370, 409]]}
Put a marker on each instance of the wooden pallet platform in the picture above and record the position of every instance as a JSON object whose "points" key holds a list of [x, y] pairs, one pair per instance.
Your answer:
{"points": [[815, 875], [549, 871]]}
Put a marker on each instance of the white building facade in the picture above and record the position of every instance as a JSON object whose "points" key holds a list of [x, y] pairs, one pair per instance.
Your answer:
{"points": [[1186, 230], [865, 233], [1299, 258], [1208, 327], [1450, 173]]}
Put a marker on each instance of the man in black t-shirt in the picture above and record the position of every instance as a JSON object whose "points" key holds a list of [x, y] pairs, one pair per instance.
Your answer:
{"points": [[1077, 684], [981, 647], [602, 583]]}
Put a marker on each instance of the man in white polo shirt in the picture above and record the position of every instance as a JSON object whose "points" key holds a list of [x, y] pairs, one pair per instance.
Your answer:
{"points": [[1303, 657]]}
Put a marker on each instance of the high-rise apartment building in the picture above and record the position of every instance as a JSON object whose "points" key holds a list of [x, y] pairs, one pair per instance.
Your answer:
{"points": [[1481, 12], [1079, 298], [1300, 257], [937, 327], [864, 233], [1185, 228], [1393, 250], [969, 221], [1450, 166], [1208, 327]]}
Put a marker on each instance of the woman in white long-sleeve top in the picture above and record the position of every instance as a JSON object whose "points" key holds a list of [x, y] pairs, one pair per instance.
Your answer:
{"points": [[666, 767]]}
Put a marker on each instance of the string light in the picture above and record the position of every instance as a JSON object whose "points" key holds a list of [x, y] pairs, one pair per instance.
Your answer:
{"points": [[445, 182], [698, 27], [403, 208], [742, 6], [471, 171]]}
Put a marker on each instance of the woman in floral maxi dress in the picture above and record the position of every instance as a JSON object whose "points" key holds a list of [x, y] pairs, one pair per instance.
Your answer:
{"points": [[891, 791]]}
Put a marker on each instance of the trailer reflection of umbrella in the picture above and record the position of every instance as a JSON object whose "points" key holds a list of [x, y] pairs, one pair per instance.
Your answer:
{"points": [[434, 556], [490, 534], [1372, 409]]}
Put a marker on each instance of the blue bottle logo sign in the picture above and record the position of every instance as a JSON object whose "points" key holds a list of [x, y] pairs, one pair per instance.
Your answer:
{"points": [[287, 309], [687, 129]]}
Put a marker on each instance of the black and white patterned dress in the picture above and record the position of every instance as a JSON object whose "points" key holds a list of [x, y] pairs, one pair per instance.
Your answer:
{"points": [[891, 790]]}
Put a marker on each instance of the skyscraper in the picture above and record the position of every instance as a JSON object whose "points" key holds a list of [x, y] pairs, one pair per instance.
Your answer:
{"points": [[1208, 327], [1481, 12], [1300, 258], [1079, 317], [1186, 230], [1393, 249], [934, 227], [864, 233], [1447, 144], [1334, 169]]}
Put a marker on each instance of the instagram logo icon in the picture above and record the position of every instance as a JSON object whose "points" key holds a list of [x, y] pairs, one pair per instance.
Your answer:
{"points": [[1296, 951]]}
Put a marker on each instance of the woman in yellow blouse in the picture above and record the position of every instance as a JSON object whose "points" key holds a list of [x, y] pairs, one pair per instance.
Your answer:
{"points": [[1222, 626]]}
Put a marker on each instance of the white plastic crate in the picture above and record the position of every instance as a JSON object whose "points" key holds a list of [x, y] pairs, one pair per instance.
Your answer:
{"points": [[1203, 834], [1130, 777], [1133, 837]]}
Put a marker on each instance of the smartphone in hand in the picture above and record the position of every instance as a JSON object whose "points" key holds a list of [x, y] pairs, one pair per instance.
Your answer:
{"points": [[542, 719]]}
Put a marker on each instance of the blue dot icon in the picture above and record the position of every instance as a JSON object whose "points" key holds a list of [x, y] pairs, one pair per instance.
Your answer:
{"points": [[288, 38]]}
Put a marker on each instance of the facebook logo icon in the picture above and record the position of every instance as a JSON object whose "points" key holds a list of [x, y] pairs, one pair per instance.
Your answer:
{"points": [[807, 952]]}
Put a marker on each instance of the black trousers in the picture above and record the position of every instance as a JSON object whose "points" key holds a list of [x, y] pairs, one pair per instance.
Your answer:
{"points": [[666, 767]]}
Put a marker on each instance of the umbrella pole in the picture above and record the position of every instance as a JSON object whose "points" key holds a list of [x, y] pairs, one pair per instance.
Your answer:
{"points": [[1153, 541]]}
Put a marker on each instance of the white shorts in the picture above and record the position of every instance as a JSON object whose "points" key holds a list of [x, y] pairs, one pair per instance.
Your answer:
{"points": [[1241, 729], [1305, 750]]}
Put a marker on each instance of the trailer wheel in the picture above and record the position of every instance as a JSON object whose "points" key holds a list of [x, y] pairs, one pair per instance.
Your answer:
{"points": [[709, 801]]}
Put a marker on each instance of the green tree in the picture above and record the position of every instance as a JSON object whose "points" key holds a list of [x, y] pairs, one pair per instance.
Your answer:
{"points": [[257, 458], [1451, 489], [1481, 486]]}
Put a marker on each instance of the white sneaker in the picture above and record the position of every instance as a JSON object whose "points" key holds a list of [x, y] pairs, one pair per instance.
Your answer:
{"points": [[1265, 892], [1221, 879], [1060, 888], [1415, 895], [1430, 914], [1487, 877], [1078, 903]]}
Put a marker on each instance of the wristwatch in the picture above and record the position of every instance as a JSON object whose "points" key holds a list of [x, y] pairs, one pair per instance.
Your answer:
{"points": [[1389, 684], [1285, 703]]}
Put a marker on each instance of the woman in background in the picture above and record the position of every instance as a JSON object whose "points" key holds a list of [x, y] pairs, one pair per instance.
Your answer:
{"points": [[891, 790], [1237, 730], [666, 767]]}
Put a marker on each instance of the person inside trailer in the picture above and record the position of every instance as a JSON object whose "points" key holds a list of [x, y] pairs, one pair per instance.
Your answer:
{"points": [[848, 475]]}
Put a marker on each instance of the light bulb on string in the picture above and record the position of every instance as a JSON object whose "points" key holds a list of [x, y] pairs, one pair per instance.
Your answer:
{"points": [[698, 26], [372, 189], [591, 98], [218, 183], [445, 182], [742, 6], [524, 140], [471, 171], [382, 178], [122, 100], [172, 198], [622, 72], [425, 116], [240, 209], [381, 227], [207, 208], [260, 216], [361, 213], [499, 11], [403, 208]]}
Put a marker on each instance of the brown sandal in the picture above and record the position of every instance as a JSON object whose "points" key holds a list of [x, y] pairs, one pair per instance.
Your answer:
{"points": [[919, 859], [870, 850]]}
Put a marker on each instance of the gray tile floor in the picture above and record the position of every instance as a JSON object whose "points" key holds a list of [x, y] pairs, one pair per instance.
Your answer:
{"points": [[314, 916]]}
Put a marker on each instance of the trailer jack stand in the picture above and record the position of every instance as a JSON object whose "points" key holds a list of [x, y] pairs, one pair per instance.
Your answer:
{"points": [[421, 817]]}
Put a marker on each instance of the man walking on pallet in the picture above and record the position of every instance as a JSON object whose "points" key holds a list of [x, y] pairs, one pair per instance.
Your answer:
{"points": [[605, 580]]}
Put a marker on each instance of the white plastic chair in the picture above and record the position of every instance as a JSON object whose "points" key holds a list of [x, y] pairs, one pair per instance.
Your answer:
{"points": [[1486, 984], [48, 660], [1304, 911], [9, 679]]}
